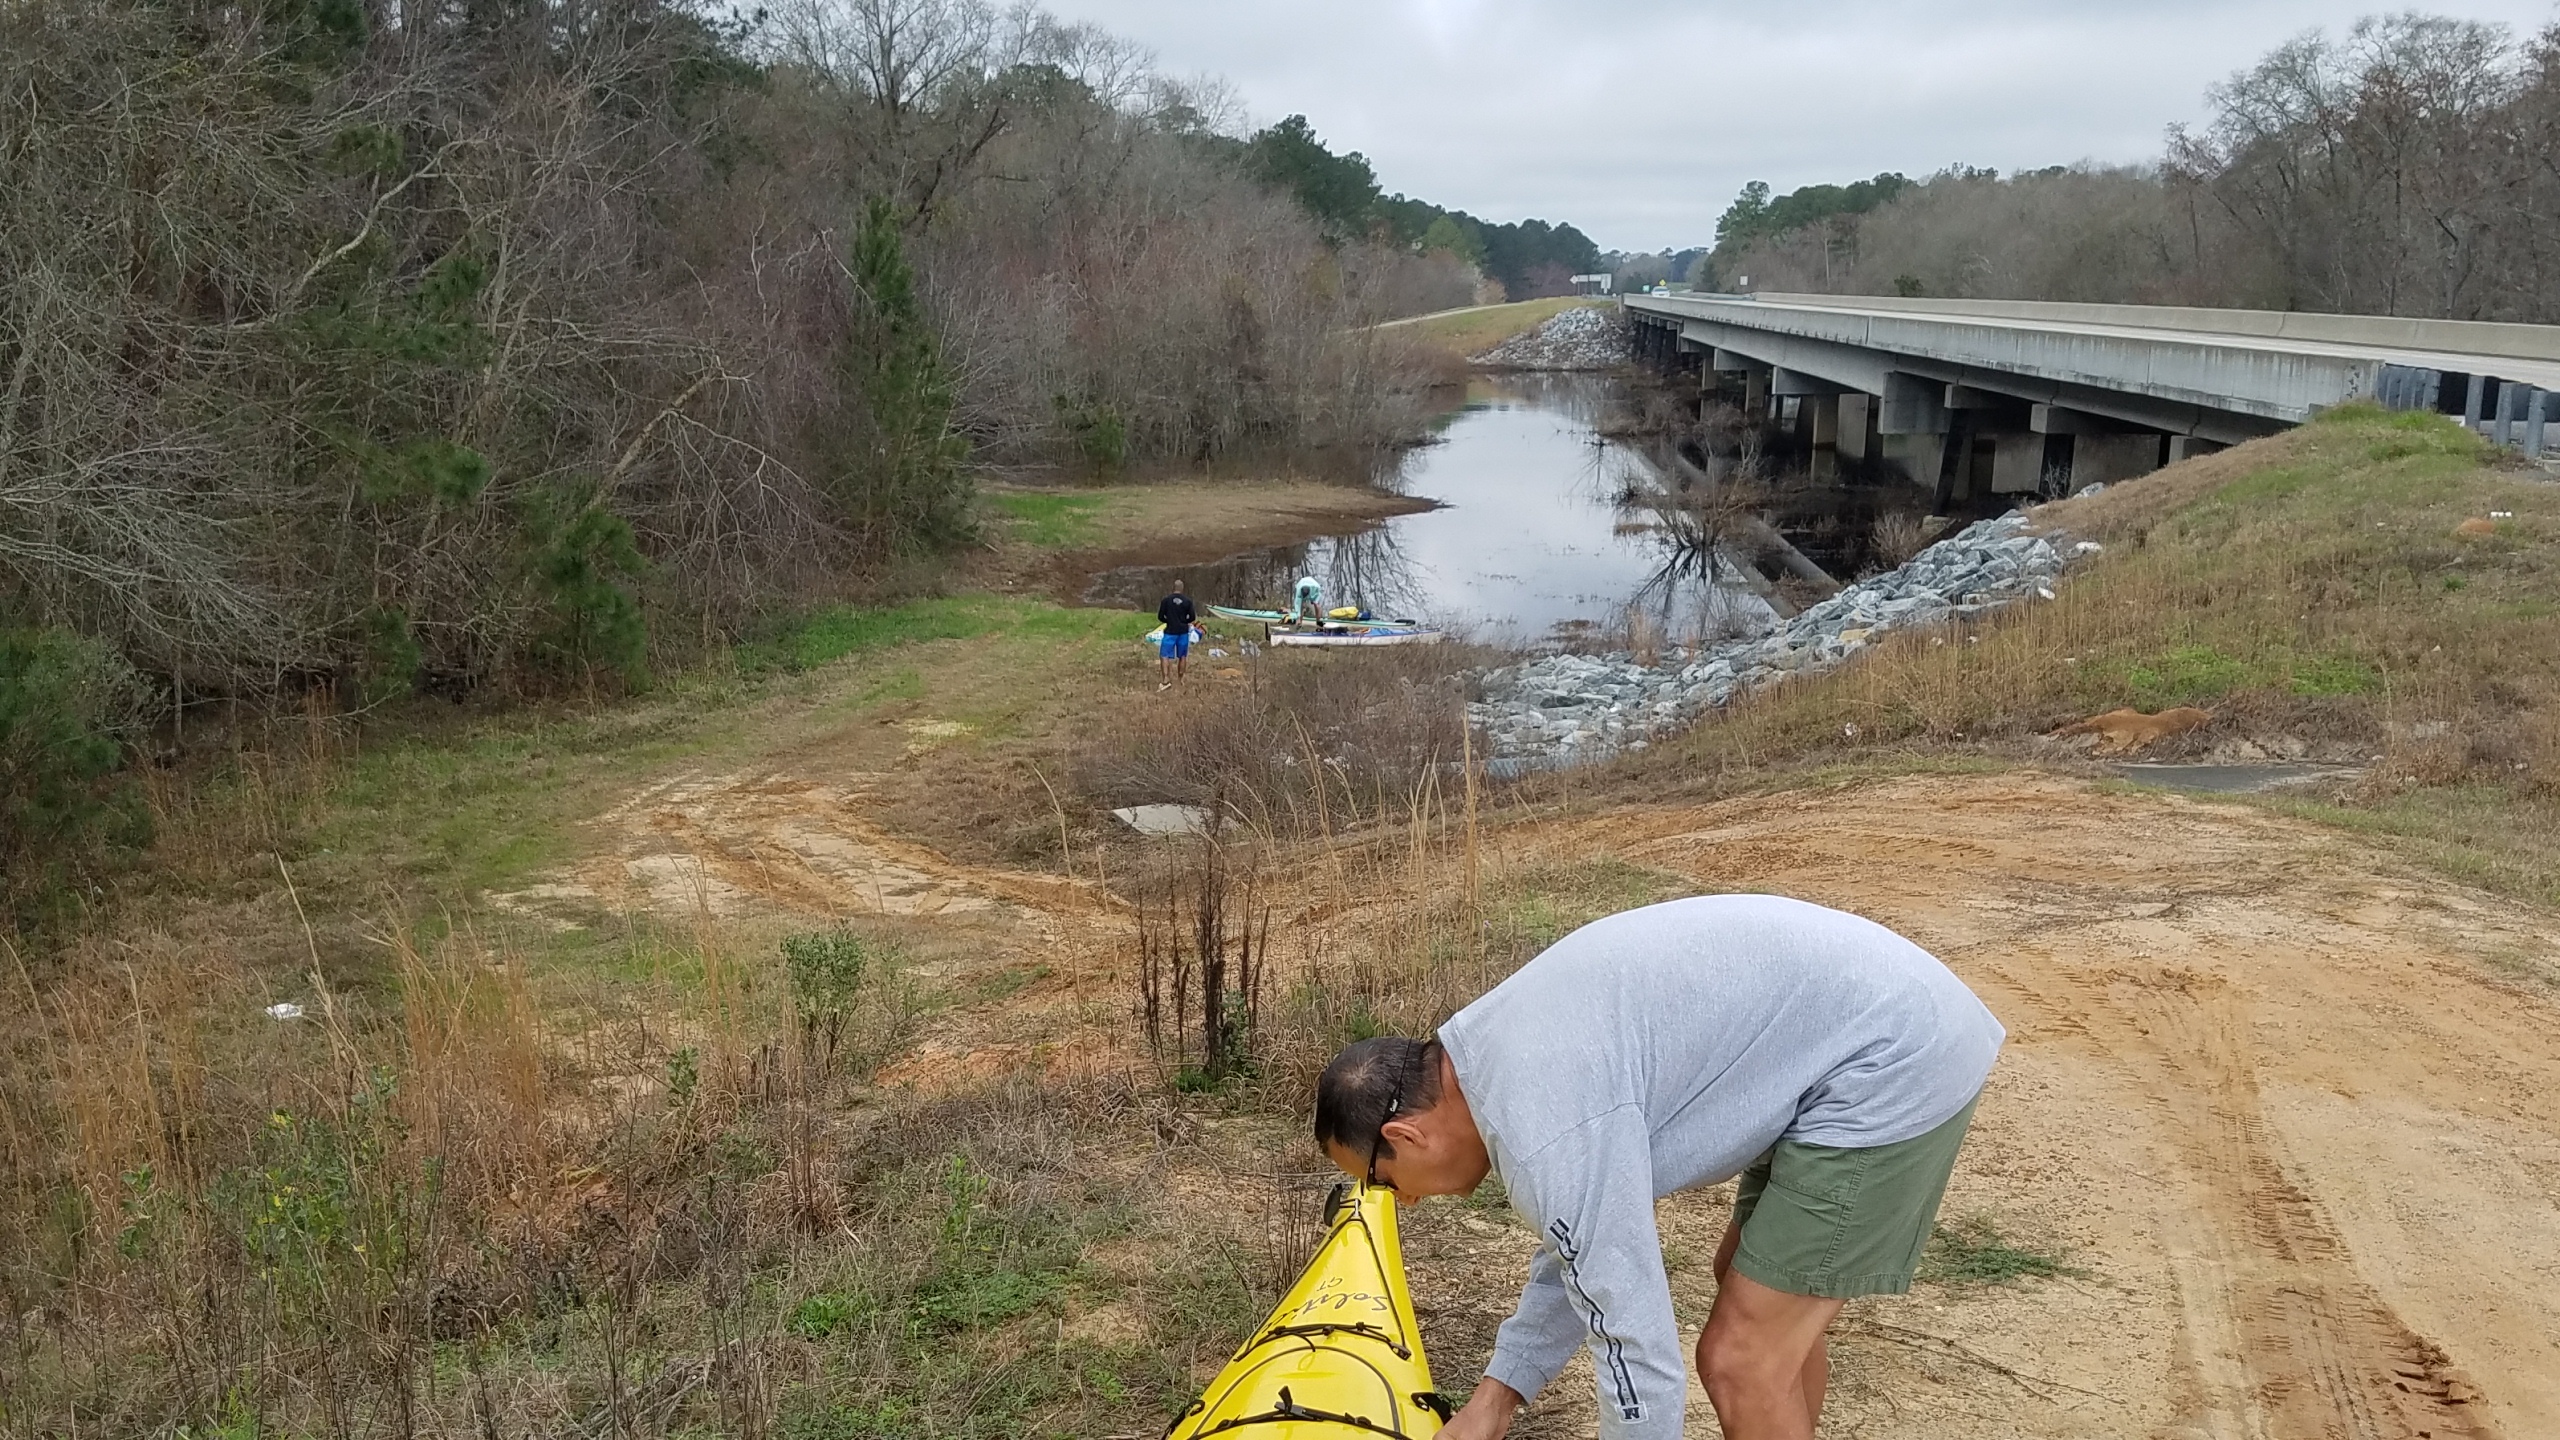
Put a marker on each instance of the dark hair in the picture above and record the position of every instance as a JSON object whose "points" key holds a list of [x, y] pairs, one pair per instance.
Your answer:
{"points": [[1370, 1083]]}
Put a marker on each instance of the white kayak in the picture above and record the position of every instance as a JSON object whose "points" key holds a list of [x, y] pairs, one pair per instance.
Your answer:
{"points": [[1373, 635]]}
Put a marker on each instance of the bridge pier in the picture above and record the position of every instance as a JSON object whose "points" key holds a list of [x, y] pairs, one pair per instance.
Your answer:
{"points": [[1918, 457], [2113, 459], [2004, 455], [2097, 449], [1857, 425], [1817, 407], [2018, 462], [2513, 403], [1911, 423]]}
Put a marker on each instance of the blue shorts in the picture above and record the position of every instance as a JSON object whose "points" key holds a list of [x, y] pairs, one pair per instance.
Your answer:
{"points": [[1175, 647]]}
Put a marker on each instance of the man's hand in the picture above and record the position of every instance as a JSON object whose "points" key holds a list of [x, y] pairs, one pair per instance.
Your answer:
{"points": [[1487, 1415]]}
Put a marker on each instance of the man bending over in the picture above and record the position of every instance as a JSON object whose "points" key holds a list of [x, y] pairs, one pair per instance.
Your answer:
{"points": [[1829, 1062]]}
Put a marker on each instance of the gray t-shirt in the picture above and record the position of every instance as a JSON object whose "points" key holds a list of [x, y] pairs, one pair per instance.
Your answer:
{"points": [[1666, 1048]]}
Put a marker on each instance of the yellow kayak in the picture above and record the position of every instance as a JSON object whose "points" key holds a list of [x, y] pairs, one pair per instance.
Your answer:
{"points": [[1341, 1358]]}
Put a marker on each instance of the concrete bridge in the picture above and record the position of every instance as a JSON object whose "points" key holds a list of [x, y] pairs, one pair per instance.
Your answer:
{"points": [[1976, 398]]}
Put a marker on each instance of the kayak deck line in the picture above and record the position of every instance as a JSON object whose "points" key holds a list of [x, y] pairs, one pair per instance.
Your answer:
{"points": [[1357, 1327], [1289, 1410], [1341, 1355]]}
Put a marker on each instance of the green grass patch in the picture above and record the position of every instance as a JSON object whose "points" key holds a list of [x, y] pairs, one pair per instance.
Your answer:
{"points": [[1972, 1251], [1048, 520], [840, 632], [904, 684], [485, 807], [1005, 984], [2203, 674], [2335, 675], [2477, 834], [2188, 675], [459, 809], [977, 1301], [1542, 906], [1473, 332]]}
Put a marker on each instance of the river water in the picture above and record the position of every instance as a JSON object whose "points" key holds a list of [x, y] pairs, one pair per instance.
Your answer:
{"points": [[1538, 541]]}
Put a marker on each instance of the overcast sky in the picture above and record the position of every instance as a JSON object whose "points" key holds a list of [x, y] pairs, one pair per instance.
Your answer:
{"points": [[1638, 120]]}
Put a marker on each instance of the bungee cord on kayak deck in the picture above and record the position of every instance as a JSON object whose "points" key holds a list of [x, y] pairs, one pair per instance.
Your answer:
{"points": [[1344, 1338]]}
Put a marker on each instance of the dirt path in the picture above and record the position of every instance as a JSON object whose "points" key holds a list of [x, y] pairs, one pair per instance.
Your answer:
{"points": [[2286, 1106]]}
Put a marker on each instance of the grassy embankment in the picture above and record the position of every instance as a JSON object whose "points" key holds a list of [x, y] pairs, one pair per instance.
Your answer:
{"points": [[2311, 590], [1052, 521], [1464, 334]]}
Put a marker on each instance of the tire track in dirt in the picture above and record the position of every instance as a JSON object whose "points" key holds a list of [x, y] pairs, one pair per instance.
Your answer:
{"points": [[734, 844], [2321, 1354], [775, 850]]}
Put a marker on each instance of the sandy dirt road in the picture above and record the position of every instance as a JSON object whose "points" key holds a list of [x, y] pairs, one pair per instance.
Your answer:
{"points": [[2290, 1108]]}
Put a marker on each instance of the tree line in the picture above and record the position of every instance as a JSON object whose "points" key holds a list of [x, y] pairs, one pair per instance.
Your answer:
{"points": [[372, 346], [1524, 260], [2409, 166]]}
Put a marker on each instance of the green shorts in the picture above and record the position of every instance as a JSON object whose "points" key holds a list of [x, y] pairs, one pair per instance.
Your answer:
{"points": [[1844, 1223]]}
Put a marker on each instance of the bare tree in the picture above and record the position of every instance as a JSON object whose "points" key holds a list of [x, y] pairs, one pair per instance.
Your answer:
{"points": [[448, 345], [2401, 168]]}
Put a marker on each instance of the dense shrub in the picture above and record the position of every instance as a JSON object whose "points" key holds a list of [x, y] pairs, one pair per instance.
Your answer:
{"points": [[67, 712]]}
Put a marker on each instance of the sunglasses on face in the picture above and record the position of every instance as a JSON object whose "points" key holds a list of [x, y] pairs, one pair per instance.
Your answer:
{"points": [[1378, 1142]]}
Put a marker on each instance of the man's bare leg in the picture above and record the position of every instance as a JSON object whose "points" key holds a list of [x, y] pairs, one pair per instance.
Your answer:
{"points": [[1763, 1356]]}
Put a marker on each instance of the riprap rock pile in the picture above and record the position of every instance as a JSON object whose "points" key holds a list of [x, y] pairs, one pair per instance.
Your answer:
{"points": [[1565, 707], [1583, 338]]}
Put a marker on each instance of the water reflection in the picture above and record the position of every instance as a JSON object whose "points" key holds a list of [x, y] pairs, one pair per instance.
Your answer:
{"points": [[1368, 569], [1539, 538]]}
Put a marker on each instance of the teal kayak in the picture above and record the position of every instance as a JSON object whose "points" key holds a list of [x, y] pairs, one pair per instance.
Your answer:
{"points": [[1261, 617]]}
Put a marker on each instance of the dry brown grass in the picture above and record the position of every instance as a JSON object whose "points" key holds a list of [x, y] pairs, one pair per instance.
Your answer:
{"points": [[1314, 745], [1385, 886], [614, 1217]]}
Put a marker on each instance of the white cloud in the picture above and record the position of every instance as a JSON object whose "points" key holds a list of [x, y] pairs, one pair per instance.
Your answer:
{"points": [[1638, 120]]}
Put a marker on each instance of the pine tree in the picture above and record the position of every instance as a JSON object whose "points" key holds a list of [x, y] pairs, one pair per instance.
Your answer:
{"points": [[901, 479]]}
